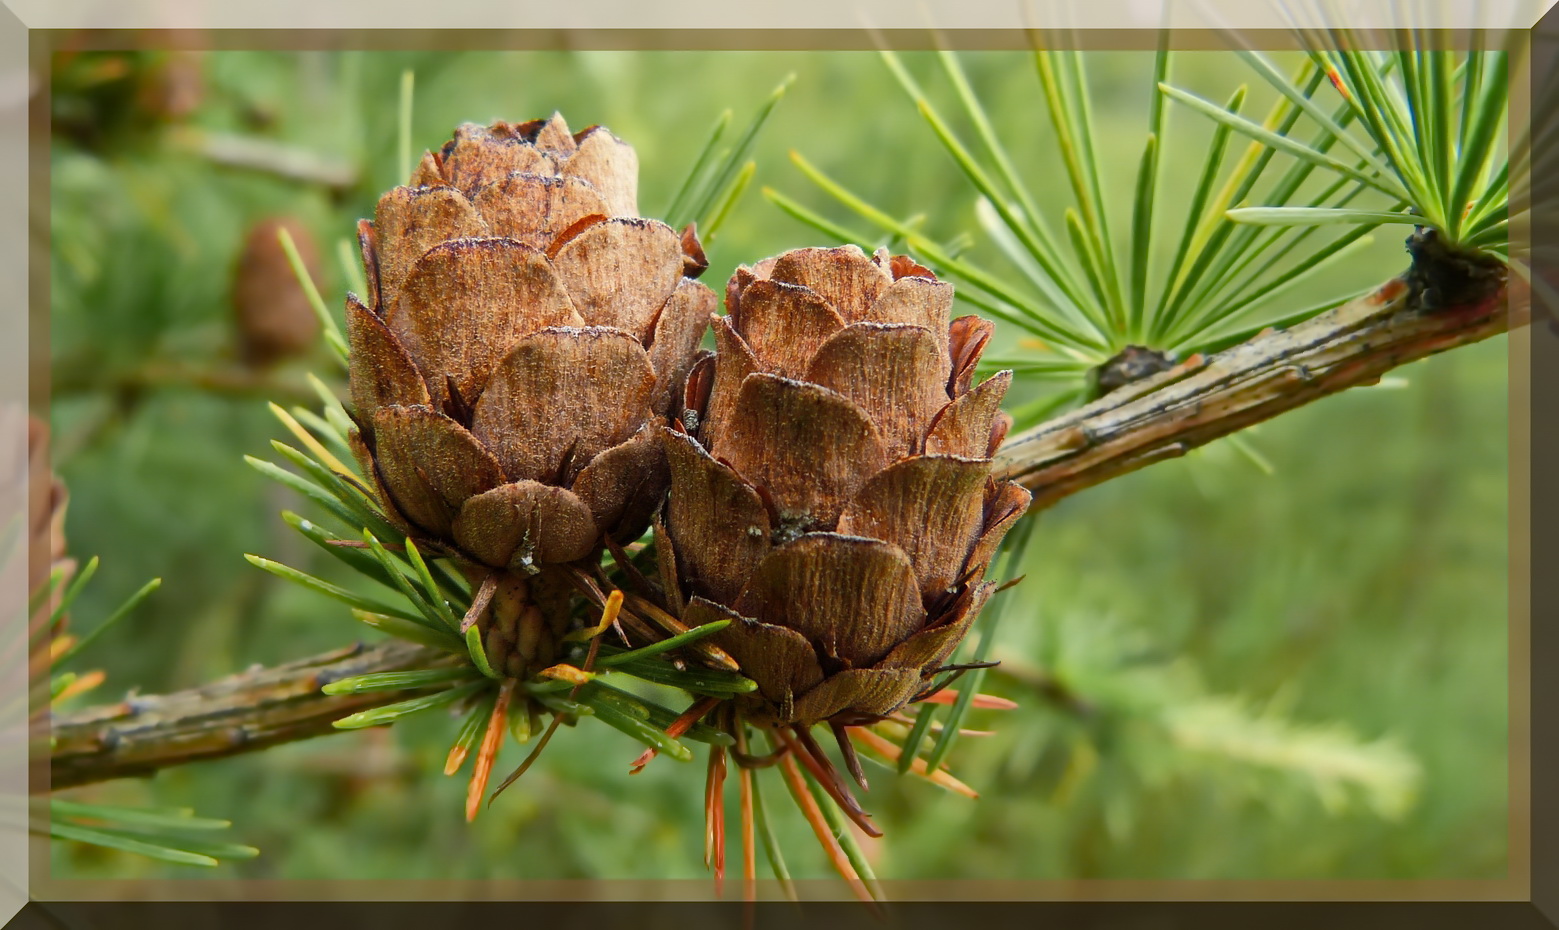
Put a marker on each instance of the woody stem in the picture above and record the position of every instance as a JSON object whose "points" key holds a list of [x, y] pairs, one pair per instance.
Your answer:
{"points": [[252, 710], [1206, 398]]}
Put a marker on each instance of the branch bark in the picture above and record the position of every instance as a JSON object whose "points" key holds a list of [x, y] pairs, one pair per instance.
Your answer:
{"points": [[1149, 421], [1206, 398], [251, 710]]}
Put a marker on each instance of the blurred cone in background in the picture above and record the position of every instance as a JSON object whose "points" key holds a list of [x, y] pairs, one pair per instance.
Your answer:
{"points": [[177, 87], [46, 499], [272, 312], [834, 498], [102, 98], [524, 334]]}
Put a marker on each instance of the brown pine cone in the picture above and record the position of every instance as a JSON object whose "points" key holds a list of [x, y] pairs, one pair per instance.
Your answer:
{"points": [[525, 333], [835, 498]]}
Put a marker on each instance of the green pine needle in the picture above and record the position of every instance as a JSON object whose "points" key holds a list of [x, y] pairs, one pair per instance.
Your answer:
{"points": [[772, 850], [327, 322], [403, 124], [1142, 234], [347, 492], [845, 834], [59, 683], [1251, 454], [335, 413], [155, 834], [1090, 297], [478, 653], [655, 713], [399, 681], [970, 685], [339, 593], [430, 587], [1304, 101], [1182, 276], [328, 433], [351, 262], [1081, 317], [73, 591], [474, 724], [414, 632], [727, 201], [120, 612], [111, 840], [569, 710], [182, 818], [42, 595], [389, 713], [305, 487], [610, 658], [1317, 216], [917, 734], [433, 617], [827, 227], [360, 561], [630, 715], [921, 245], [673, 211], [696, 680], [721, 180], [1432, 126], [1283, 143]]}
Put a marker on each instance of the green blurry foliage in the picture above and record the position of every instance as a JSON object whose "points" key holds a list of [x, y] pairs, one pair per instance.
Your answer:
{"points": [[1223, 643]]}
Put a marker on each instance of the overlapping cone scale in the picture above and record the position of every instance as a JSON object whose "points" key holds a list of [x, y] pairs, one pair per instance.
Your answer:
{"points": [[524, 335], [832, 493]]}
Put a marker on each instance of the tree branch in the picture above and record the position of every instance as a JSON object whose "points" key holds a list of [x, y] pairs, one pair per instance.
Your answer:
{"points": [[1158, 418], [1206, 398], [252, 710]]}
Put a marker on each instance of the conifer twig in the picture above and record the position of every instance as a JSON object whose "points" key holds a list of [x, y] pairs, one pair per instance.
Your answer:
{"points": [[251, 710], [1151, 420], [1205, 398]]}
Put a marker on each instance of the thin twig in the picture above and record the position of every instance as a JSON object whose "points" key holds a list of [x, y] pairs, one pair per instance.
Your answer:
{"points": [[269, 157], [85, 377]]}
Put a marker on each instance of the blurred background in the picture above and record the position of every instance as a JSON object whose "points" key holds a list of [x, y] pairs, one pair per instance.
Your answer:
{"points": [[1224, 670]]}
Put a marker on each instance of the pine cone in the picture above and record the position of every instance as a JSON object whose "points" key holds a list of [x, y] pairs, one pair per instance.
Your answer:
{"points": [[837, 504], [527, 333]]}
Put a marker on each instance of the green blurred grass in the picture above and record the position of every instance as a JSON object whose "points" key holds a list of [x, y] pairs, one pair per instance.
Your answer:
{"points": [[1364, 584]]}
